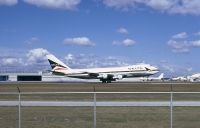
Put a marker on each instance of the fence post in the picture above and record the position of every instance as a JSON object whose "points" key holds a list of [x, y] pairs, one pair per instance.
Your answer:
{"points": [[171, 107], [95, 108], [19, 108]]}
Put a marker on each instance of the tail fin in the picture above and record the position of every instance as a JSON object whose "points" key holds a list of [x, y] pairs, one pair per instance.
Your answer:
{"points": [[161, 76], [56, 62]]}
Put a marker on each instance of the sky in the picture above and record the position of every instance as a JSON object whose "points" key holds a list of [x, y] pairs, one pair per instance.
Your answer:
{"points": [[100, 33]]}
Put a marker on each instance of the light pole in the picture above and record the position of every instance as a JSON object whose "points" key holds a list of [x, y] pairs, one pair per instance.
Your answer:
{"points": [[95, 109], [171, 107], [19, 108]]}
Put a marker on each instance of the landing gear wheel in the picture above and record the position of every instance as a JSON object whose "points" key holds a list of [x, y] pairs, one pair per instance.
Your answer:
{"points": [[108, 81], [103, 81]]}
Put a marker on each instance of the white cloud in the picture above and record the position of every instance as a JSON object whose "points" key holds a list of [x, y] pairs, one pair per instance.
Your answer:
{"points": [[32, 40], [159, 4], [124, 4], [83, 41], [122, 30], [23, 60], [173, 70], [195, 43], [37, 55], [11, 61], [8, 2], [189, 69], [127, 4], [168, 67], [179, 46], [126, 42], [182, 43], [181, 35], [183, 46], [55, 4], [197, 34], [35, 60], [170, 6], [186, 7], [69, 57], [92, 61]]}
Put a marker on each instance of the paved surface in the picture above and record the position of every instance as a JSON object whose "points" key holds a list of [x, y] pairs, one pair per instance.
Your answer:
{"points": [[99, 83], [101, 104]]}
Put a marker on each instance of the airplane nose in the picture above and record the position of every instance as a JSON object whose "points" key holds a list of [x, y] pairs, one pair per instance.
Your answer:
{"points": [[155, 69]]}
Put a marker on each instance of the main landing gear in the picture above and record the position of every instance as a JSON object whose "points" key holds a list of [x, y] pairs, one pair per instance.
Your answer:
{"points": [[106, 81]]}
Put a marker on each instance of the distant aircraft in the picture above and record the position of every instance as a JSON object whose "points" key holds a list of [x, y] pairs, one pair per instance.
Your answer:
{"points": [[106, 75], [180, 78], [194, 77], [159, 78]]}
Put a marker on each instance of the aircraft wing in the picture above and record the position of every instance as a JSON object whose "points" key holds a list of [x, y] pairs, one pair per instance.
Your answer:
{"points": [[93, 74], [101, 75]]}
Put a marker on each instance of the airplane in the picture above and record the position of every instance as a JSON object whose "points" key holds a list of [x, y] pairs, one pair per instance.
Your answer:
{"points": [[159, 78], [105, 75], [194, 77], [180, 78]]}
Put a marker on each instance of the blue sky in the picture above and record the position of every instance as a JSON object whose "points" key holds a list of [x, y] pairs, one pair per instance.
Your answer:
{"points": [[100, 33]]}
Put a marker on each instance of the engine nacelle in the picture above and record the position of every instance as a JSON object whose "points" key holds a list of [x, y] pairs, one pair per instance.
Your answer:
{"points": [[119, 77], [103, 76]]}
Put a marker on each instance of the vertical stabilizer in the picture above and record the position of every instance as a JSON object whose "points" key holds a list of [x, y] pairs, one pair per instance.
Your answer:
{"points": [[55, 62], [161, 76]]}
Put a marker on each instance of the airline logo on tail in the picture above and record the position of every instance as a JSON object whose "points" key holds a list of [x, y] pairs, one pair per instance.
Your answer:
{"points": [[57, 65], [54, 64]]}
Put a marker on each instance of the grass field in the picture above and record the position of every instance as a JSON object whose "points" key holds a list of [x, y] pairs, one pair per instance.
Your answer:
{"points": [[107, 117], [99, 87]]}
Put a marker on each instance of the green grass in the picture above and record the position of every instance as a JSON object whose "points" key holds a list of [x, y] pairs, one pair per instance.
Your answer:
{"points": [[107, 117], [89, 87]]}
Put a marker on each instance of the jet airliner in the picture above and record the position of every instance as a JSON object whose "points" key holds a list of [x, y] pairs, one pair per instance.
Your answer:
{"points": [[105, 75], [159, 78]]}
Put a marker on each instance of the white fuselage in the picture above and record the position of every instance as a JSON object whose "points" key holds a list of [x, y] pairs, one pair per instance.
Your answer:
{"points": [[180, 78], [116, 72], [159, 78]]}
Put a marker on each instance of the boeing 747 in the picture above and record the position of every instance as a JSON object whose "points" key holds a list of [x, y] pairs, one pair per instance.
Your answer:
{"points": [[106, 75]]}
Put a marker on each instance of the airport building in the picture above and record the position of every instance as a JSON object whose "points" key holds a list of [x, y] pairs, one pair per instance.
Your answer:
{"points": [[46, 77]]}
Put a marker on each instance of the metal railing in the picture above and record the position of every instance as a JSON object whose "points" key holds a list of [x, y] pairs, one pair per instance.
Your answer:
{"points": [[19, 93]]}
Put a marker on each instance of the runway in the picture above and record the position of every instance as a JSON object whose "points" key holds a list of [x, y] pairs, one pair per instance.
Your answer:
{"points": [[100, 104], [99, 83]]}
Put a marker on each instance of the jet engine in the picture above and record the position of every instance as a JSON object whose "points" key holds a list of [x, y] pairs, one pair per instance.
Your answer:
{"points": [[103, 76], [119, 77]]}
